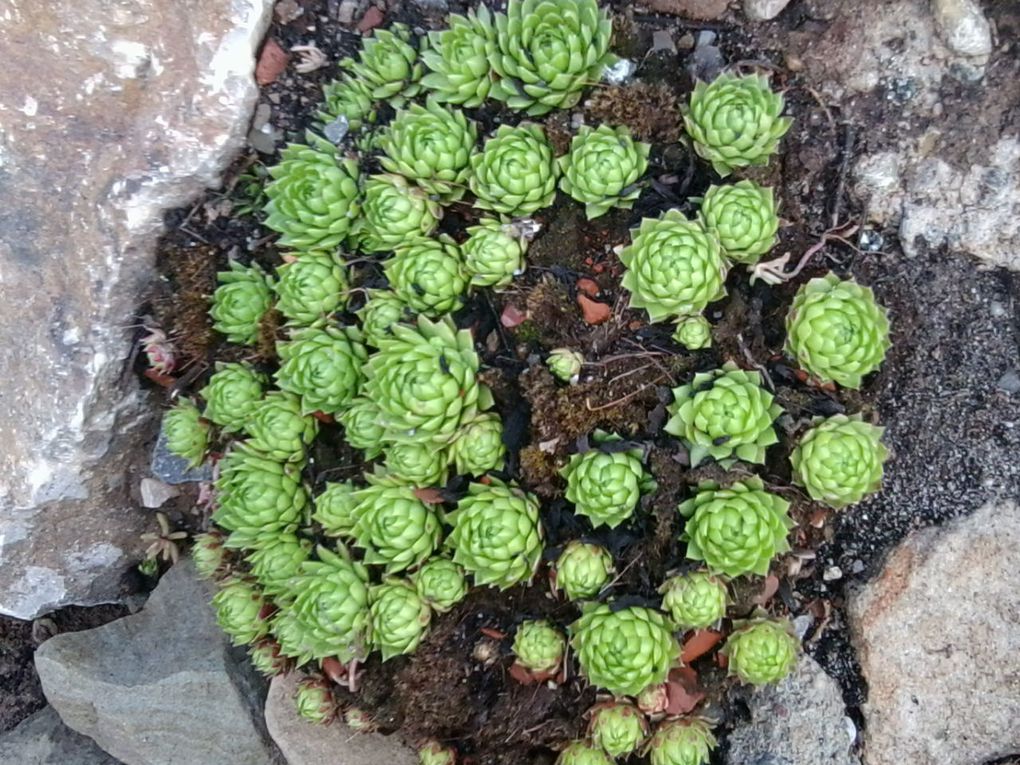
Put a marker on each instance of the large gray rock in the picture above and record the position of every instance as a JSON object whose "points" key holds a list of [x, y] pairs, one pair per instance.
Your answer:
{"points": [[801, 721], [43, 739], [939, 646], [161, 687], [111, 113], [305, 744]]}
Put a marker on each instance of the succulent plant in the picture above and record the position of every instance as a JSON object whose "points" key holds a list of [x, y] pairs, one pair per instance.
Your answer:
{"points": [[427, 275], [538, 646], [313, 198], [458, 58], [694, 601], [496, 534], [363, 428], [441, 584], [311, 287], [762, 650], [836, 331], [548, 51], [394, 211], [394, 528], [605, 486], [743, 216], [400, 617], [493, 253], [618, 727], [381, 311], [478, 447], [277, 558], [434, 753], [314, 700], [424, 381], [674, 267], [257, 495], [334, 509], [279, 428], [514, 174], [389, 66], [350, 99], [653, 700], [187, 434], [565, 364], [359, 721], [735, 121], [266, 658], [583, 569], [209, 554], [601, 632], [417, 464], [687, 741], [583, 753], [602, 169], [238, 607], [724, 414], [736, 530], [693, 333], [839, 460], [231, 394], [323, 365], [432, 146], [329, 615], [240, 302]]}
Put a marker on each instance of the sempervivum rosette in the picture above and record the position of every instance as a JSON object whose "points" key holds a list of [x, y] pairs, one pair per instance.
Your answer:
{"points": [[459, 59], [605, 486], [417, 464], [394, 528], [349, 99], [434, 753], [322, 365], [565, 364], [688, 741], [389, 66], [400, 617], [762, 650], [187, 434], [583, 569], [276, 558], [736, 530], [694, 601], [209, 555], [432, 146], [479, 446], [239, 607], [240, 302], [617, 727], [424, 382], [836, 331], [310, 286], [335, 509], [381, 311], [279, 429], [231, 394], [363, 426], [314, 701], [313, 198], [725, 414], [743, 216], [548, 51], [693, 333], [496, 534], [393, 211], [602, 169], [674, 267], [539, 647], [514, 174], [493, 253], [735, 121], [601, 632], [583, 753], [839, 460], [441, 584], [427, 275], [266, 658]]}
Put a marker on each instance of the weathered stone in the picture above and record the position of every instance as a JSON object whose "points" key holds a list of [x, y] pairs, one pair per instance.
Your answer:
{"points": [[155, 493], [43, 739], [162, 685], [938, 645], [173, 469], [764, 10], [112, 113], [963, 27], [305, 744], [800, 721]]}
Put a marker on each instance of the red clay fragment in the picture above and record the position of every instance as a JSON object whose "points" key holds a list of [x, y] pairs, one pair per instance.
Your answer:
{"points": [[272, 61], [594, 313], [698, 644], [373, 17]]}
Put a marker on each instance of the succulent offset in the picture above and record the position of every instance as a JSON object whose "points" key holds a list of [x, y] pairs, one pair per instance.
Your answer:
{"points": [[514, 174], [836, 330], [735, 121], [743, 216], [279, 428], [349, 99], [427, 275], [239, 607], [539, 647], [565, 364], [187, 435], [231, 395], [617, 727], [478, 447], [310, 287], [839, 460], [363, 426], [675, 268], [688, 741], [382, 310], [493, 253], [240, 302], [434, 753], [394, 528], [602, 168], [693, 333], [322, 365], [738, 529], [583, 569], [694, 601], [393, 211], [275, 559], [209, 555], [583, 753], [416, 464], [266, 658], [335, 509], [605, 486], [762, 650], [400, 617], [389, 66], [724, 414], [441, 584], [458, 58], [314, 701]]}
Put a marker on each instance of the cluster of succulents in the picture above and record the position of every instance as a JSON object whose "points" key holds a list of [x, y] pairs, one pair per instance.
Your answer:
{"points": [[311, 576]]}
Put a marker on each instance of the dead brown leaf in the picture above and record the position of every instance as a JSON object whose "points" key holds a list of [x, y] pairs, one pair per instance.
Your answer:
{"points": [[683, 691]]}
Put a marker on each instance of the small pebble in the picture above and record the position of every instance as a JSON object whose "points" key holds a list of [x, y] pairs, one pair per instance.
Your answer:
{"points": [[802, 624], [997, 309], [857, 567], [1009, 382], [155, 493], [832, 573], [870, 240], [619, 73], [662, 40]]}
